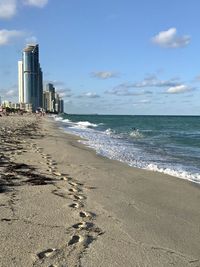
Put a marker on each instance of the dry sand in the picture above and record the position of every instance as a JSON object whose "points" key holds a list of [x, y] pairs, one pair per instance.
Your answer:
{"points": [[63, 205]]}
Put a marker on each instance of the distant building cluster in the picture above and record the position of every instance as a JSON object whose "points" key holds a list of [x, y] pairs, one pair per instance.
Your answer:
{"points": [[30, 83], [52, 101], [32, 97]]}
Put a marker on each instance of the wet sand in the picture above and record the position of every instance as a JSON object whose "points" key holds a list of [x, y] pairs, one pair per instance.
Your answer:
{"points": [[63, 205]]}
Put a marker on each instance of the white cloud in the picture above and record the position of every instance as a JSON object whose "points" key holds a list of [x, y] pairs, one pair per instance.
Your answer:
{"points": [[64, 92], [92, 95], [104, 74], [89, 95], [122, 90], [36, 3], [11, 93], [170, 39], [7, 36], [153, 81], [179, 89], [8, 8], [126, 89]]}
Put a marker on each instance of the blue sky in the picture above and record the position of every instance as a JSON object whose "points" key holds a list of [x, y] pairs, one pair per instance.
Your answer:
{"points": [[108, 56]]}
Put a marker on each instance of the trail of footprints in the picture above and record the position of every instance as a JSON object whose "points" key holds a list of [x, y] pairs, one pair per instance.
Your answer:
{"points": [[83, 232]]}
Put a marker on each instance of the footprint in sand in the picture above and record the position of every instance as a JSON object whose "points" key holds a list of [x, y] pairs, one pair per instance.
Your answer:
{"points": [[64, 178], [76, 205], [39, 149], [86, 241], [75, 239], [46, 253], [78, 225], [52, 168], [74, 190], [83, 225], [45, 156], [78, 197], [51, 163], [84, 214], [75, 184]]}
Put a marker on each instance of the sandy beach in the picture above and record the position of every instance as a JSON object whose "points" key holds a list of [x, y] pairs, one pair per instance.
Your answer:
{"points": [[63, 205]]}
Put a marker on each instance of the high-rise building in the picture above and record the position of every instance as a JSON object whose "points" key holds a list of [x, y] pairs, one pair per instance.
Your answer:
{"points": [[20, 82], [49, 98], [61, 106], [30, 77], [52, 101]]}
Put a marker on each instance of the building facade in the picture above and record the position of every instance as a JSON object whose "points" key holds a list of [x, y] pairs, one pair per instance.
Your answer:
{"points": [[30, 78], [52, 101]]}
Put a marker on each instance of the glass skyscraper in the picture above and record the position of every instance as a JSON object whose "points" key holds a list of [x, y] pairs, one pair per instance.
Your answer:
{"points": [[30, 77]]}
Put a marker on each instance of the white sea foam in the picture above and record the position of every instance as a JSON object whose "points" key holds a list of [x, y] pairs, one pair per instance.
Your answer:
{"points": [[193, 177], [66, 121], [83, 125], [136, 134], [79, 124], [86, 124], [109, 131], [58, 118]]}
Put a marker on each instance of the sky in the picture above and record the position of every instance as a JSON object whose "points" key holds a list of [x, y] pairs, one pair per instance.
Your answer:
{"points": [[137, 57]]}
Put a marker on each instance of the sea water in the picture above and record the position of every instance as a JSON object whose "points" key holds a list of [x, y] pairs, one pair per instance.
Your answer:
{"points": [[167, 144]]}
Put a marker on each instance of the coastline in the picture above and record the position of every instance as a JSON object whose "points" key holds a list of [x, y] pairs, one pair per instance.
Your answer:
{"points": [[90, 210], [146, 146]]}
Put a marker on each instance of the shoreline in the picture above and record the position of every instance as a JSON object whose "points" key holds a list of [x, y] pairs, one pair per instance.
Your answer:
{"points": [[92, 211], [166, 172]]}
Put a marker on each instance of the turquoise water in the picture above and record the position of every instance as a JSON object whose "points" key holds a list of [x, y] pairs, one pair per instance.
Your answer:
{"points": [[168, 144]]}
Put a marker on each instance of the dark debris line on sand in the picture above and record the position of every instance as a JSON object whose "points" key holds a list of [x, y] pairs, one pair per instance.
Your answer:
{"points": [[12, 141]]}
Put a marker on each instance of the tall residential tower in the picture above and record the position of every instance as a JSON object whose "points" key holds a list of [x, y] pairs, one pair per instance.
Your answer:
{"points": [[52, 102], [30, 77]]}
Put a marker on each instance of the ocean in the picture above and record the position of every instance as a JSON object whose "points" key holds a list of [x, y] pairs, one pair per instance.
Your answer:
{"points": [[167, 144]]}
